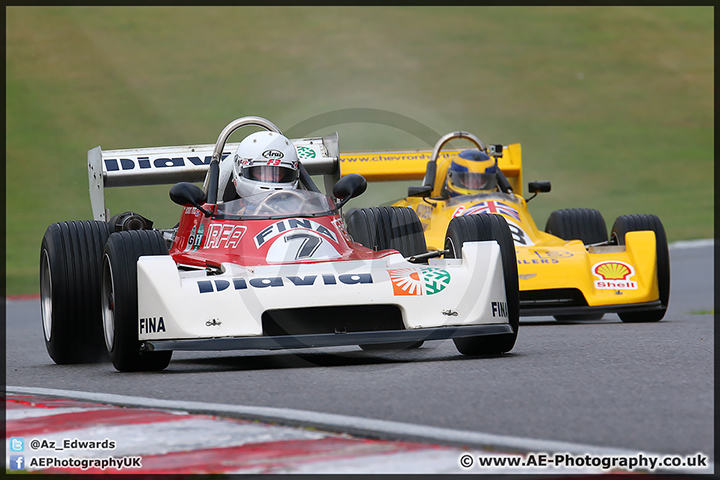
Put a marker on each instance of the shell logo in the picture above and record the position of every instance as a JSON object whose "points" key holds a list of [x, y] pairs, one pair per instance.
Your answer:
{"points": [[422, 281], [614, 275]]}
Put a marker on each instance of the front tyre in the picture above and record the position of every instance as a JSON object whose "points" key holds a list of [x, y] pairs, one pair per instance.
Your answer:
{"points": [[381, 228], [632, 223], [586, 224], [484, 227], [120, 299], [70, 266]]}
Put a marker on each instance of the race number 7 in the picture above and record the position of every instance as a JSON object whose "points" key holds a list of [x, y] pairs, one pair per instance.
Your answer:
{"points": [[307, 246]]}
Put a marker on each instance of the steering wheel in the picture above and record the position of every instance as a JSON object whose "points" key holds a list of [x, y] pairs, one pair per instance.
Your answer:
{"points": [[278, 199]]}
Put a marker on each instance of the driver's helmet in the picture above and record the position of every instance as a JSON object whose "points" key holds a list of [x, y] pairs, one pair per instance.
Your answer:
{"points": [[265, 162], [471, 171]]}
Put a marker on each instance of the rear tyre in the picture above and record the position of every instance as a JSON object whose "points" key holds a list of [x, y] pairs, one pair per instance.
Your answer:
{"points": [[381, 228], [584, 224], [70, 262], [120, 299], [483, 227], [632, 223]]}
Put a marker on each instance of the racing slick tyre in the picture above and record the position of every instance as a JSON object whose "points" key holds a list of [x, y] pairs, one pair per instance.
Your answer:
{"points": [[632, 223], [120, 299], [586, 224], [380, 228], [70, 267], [483, 227]]}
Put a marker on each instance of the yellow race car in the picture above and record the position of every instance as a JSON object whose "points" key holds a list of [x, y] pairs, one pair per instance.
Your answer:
{"points": [[572, 270]]}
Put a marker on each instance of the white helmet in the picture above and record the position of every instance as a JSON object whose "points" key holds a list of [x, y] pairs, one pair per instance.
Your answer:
{"points": [[265, 161]]}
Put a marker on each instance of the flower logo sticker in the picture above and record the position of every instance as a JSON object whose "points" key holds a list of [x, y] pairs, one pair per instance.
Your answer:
{"points": [[305, 153], [419, 281]]}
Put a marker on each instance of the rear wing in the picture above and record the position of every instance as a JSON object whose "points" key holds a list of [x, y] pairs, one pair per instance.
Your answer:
{"points": [[319, 156], [412, 164], [189, 163]]}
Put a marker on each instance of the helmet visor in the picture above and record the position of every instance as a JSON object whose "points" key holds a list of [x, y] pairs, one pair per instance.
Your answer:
{"points": [[473, 180], [270, 174]]}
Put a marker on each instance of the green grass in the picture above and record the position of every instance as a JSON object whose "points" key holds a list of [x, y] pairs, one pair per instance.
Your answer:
{"points": [[614, 105]]}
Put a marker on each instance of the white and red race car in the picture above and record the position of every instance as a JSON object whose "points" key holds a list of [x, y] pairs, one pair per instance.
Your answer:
{"points": [[275, 270]]}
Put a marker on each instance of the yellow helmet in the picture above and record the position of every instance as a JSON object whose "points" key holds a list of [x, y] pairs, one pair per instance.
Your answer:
{"points": [[471, 171]]}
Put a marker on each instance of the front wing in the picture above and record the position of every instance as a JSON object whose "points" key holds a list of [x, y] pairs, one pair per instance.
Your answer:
{"points": [[573, 280], [321, 304]]}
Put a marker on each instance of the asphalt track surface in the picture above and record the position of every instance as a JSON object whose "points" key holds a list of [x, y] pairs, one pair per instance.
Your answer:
{"points": [[638, 387]]}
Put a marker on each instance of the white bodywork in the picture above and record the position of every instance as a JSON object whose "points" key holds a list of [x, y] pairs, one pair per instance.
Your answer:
{"points": [[192, 304]]}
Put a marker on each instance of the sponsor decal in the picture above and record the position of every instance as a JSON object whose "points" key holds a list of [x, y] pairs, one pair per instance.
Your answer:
{"points": [[223, 235], [191, 239], [458, 211], [424, 211], [490, 206], [292, 224], [499, 309], [419, 281], [199, 237], [538, 257], [614, 275], [305, 152], [152, 325], [218, 285], [240, 161], [155, 163], [396, 157], [340, 226], [527, 276], [272, 154], [551, 253]]}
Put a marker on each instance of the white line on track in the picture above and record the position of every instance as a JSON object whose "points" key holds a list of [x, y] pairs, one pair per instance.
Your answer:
{"points": [[705, 242], [346, 424]]}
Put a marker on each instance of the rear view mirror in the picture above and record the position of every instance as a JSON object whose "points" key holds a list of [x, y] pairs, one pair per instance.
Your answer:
{"points": [[419, 190], [542, 186], [189, 195], [349, 186], [539, 187]]}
